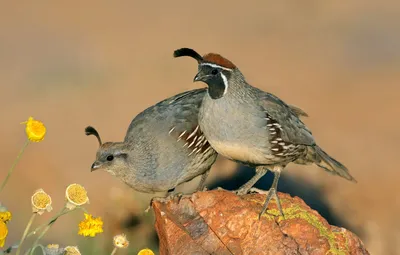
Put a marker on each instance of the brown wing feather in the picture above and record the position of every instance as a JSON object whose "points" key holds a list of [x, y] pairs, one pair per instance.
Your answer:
{"points": [[299, 112], [292, 129]]}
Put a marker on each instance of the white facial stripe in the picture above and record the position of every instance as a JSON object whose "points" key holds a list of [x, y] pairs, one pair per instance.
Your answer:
{"points": [[225, 82], [216, 66]]}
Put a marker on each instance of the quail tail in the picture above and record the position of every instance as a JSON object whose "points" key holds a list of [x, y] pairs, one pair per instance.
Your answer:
{"points": [[323, 160]]}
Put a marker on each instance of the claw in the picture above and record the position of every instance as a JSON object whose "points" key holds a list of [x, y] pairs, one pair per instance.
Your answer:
{"points": [[220, 188], [259, 191], [179, 195], [148, 208], [271, 192], [243, 191], [166, 199], [240, 192], [161, 199]]}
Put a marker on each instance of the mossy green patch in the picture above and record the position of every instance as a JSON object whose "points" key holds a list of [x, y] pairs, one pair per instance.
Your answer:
{"points": [[297, 212]]}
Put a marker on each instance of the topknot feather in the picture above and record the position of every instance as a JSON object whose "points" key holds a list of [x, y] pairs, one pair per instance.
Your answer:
{"points": [[188, 53], [92, 131]]}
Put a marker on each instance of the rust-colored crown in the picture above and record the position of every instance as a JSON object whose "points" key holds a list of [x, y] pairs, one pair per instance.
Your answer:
{"points": [[217, 59], [211, 58]]}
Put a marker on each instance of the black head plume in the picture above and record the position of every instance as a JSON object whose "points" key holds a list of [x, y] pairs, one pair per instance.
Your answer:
{"points": [[91, 131], [186, 52]]}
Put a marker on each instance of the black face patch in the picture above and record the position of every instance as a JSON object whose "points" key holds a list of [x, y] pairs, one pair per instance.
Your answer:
{"points": [[214, 77]]}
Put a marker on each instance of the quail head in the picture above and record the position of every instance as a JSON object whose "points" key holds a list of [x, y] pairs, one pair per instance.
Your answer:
{"points": [[163, 147], [254, 127]]}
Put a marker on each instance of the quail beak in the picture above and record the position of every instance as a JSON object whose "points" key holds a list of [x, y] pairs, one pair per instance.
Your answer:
{"points": [[199, 77], [95, 166]]}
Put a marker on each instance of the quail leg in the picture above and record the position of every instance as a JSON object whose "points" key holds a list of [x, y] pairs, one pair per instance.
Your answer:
{"points": [[169, 196], [260, 172], [202, 183], [271, 192]]}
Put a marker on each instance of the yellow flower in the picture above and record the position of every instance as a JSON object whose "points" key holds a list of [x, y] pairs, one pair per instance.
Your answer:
{"points": [[3, 233], [145, 252], [41, 202], [120, 241], [90, 226], [76, 195], [35, 130], [72, 250], [5, 216]]}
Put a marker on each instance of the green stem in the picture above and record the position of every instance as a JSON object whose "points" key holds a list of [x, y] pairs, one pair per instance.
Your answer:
{"points": [[47, 228], [114, 251], [83, 209], [35, 244], [13, 165], [62, 212], [52, 220], [26, 232], [39, 245]]}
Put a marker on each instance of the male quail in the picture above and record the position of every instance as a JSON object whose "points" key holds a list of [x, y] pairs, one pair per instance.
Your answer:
{"points": [[163, 147], [254, 127]]}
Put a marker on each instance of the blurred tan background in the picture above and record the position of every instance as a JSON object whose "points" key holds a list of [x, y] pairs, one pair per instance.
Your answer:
{"points": [[100, 63]]}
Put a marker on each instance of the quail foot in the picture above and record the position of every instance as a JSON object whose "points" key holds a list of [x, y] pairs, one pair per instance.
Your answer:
{"points": [[248, 125], [163, 147]]}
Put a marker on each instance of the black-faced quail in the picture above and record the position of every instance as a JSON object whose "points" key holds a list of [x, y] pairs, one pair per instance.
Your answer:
{"points": [[163, 147], [254, 127]]}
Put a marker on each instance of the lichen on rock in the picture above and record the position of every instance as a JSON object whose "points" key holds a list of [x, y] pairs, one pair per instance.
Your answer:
{"points": [[220, 222]]}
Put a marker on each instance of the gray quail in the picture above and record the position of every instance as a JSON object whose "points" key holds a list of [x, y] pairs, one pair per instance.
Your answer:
{"points": [[163, 147], [248, 125]]}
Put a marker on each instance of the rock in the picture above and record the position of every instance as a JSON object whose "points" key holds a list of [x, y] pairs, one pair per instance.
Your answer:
{"points": [[220, 222]]}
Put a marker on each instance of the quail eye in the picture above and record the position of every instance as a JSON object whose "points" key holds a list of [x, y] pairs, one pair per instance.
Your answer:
{"points": [[214, 71], [110, 157]]}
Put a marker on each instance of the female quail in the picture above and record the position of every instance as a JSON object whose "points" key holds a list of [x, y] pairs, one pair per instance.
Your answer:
{"points": [[163, 147], [248, 125]]}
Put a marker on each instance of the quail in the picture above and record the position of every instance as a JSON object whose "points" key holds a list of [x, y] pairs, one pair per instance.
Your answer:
{"points": [[248, 125], [163, 147]]}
